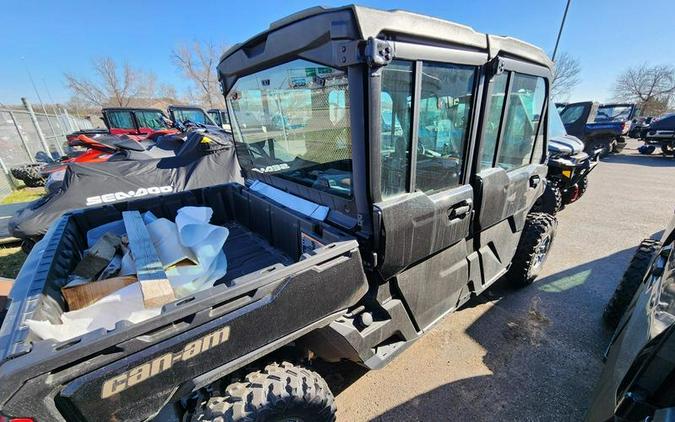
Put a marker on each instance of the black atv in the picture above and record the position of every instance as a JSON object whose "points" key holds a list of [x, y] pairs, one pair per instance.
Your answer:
{"points": [[568, 167]]}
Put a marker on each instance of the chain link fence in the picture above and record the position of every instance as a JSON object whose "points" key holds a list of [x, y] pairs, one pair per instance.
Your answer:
{"points": [[26, 135]]}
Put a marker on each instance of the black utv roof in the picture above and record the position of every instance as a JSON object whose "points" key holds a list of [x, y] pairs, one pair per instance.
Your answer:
{"points": [[184, 107], [306, 29], [105, 109]]}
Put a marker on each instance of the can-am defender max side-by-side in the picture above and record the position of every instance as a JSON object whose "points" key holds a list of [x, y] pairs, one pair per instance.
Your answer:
{"points": [[392, 161]]}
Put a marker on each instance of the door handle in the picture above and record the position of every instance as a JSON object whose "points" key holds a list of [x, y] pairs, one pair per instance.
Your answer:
{"points": [[534, 181], [460, 210]]}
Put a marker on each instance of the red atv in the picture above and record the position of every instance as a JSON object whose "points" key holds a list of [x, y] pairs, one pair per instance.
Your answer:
{"points": [[89, 146]]}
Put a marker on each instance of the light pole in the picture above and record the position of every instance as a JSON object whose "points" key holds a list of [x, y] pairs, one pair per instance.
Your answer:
{"points": [[562, 24]]}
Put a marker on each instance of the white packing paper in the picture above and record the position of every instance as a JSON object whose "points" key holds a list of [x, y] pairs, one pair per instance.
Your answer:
{"points": [[195, 235]]}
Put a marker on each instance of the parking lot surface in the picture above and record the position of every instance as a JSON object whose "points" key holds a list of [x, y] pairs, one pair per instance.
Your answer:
{"points": [[535, 353]]}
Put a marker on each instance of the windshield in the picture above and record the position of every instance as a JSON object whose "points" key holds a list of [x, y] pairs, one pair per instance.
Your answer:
{"points": [[556, 128], [193, 115], [294, 120], [614, 113]]}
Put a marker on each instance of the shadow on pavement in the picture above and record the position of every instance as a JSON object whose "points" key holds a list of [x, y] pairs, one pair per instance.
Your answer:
{"points": [[653, 160], [543, 345]]}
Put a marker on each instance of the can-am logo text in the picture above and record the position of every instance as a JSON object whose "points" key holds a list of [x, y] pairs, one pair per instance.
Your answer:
{"points": [[272, 168], [121, 196]]}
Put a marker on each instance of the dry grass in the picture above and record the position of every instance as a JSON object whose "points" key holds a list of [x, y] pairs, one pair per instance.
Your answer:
{"points": [[23, 195], [11, 260]]}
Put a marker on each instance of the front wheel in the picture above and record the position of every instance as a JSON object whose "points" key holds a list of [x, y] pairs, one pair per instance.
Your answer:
{"points": [[533, 248], [630, 282], [667, 149], [280, 392]]}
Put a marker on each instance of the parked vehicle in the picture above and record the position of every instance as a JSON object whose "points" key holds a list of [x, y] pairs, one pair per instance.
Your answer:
{"points": [[602, 127], [661, 133], [134, 122], [637, 380], [220, 117], [181, 115], [341, 246], [82, 146], [639, 127], [568, 167], [192, 164]]}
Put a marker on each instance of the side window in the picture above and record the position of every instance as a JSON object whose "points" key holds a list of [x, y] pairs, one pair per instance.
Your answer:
{"points": [[120, 119], [444, 116], [526, 101], [494, 117], [215, 115], [396, 126]]}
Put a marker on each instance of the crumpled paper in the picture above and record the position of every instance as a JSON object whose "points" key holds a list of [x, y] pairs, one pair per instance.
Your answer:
{"points": [[206, 242], [194, 232]]}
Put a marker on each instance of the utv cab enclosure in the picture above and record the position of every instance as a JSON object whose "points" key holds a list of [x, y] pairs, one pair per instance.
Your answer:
{"points": [[391, 161], [183, 114]]}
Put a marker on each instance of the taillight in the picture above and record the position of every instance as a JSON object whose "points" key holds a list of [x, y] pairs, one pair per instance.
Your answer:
{"points": [[6, 419]]}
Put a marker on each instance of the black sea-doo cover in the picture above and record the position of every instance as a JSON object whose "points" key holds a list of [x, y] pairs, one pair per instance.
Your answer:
{"points": [[206, 158]]}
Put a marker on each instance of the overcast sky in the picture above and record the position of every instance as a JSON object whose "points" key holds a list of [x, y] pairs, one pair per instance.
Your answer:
{"points": [[52, 37]]}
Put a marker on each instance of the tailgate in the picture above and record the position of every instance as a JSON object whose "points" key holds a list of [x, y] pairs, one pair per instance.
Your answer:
{"points": [[194, 342]]}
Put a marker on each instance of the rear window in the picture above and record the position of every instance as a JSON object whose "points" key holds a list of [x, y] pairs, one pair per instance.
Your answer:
{"points": [[294, 121], [615, 113], [151, 119], [191, 115], [120, 119]]}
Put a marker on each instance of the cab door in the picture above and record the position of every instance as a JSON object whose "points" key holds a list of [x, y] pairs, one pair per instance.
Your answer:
{"points": [[426, 202], [509, 172]]}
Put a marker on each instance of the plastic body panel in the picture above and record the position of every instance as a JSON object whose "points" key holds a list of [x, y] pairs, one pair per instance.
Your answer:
{"points": [[418, 226], [432, 288], [331, 276]]}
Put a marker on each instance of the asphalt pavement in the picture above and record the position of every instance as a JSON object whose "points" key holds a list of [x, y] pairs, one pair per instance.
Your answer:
{"points": [[536, 353]]}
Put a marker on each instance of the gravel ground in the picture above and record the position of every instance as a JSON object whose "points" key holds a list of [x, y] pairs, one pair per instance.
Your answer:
{"points": [[531, 354]]}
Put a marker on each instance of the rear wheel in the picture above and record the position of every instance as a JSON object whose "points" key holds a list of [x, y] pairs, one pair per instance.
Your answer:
{"points": [[630, 282], [533, 248], [667, 149], [601, 144], [29, 174], [280, 392]]}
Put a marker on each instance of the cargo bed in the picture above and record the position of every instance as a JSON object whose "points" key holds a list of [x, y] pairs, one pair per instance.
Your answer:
{"points": [[273, 267]]}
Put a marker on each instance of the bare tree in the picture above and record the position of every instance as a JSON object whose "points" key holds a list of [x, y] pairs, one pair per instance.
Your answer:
{"points": [[112, 84], [167, 91], [650, 86], [198, 63], [565, 76]]}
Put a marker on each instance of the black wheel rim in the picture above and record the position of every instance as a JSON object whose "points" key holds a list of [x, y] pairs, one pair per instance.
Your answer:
{"points": [[540, 254]]}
